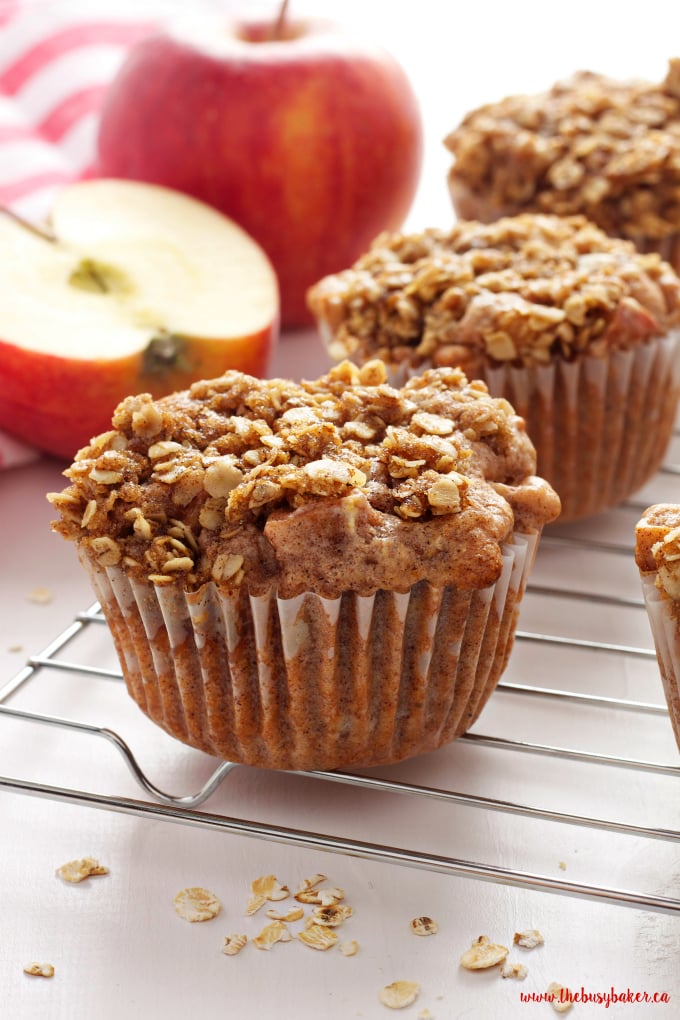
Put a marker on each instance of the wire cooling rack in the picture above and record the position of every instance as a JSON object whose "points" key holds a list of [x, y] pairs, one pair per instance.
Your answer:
{"points": [[62, 656]]}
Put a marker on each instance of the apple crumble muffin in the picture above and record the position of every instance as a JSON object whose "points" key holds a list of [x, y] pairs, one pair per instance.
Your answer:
{"points": [[657, 554], [315, 574], [593, 145], [578, 330]]}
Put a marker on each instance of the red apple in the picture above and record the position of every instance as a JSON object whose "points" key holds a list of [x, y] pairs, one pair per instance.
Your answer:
{"points": [[312, 141], [135, 289]]}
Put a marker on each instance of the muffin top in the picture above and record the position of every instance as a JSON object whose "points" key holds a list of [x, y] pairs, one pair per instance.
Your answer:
{"points": [[607, 149], [524, 290], [657, 546], [342, 483]]}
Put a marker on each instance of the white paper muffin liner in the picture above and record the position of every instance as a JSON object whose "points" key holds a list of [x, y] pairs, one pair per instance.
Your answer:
{"points": [[600, 426], [309, 682], [664, 621]]}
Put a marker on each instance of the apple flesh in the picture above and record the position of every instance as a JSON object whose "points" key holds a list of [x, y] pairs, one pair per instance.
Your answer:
{"points": [[312, 142], [136, 288]]}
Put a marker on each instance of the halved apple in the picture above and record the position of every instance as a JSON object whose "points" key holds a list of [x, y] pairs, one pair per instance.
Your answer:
{"points": [[132, 288]]}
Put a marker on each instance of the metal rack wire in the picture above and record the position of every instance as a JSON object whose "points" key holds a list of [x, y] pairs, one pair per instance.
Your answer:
{"points": [[188, 809]]}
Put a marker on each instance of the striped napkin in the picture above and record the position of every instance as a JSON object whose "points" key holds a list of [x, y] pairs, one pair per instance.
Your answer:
{"points": [[56, 60]]}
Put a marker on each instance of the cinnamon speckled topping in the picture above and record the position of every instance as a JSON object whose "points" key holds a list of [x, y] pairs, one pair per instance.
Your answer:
{"points": [[342, 483], [608, 149], [522, 290]]}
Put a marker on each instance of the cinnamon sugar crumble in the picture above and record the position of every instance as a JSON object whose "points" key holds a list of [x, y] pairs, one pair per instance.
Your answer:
{"points": [[608, 149], [205, 484], [521, 290]]}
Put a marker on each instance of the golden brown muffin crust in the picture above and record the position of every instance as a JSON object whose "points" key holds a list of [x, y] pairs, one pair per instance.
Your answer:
{"points": [[342, 483], [608, 149], [522, 290]]}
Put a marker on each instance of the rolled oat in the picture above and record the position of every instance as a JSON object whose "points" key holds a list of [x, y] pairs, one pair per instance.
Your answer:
{"points": [[483, 953], [80, 869], [399, 994], [196, 904]]}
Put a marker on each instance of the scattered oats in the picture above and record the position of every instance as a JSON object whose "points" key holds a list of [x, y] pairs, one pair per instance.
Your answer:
{"points": [[332, 916], [310, 883], [197, 904], [274, 932], [326, 897], [424, 926], [267, 887], [77, 870], [528, 939], [514, 970], [561, 1002], [45, 970], [562, 865], [399, 994], [15, 648], [294, 914], [350, 948], [233, 944], [318, 936], [483, 953], [425, 1014], [40, 595]]}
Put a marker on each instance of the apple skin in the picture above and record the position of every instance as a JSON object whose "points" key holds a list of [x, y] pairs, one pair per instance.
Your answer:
{"points": [[312, 143], [59, 403]]}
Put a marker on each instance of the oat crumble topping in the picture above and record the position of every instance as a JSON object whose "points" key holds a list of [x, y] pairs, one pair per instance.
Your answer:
{"points": [[521, 290], [657, 547], [227, 482], [608, 149]]}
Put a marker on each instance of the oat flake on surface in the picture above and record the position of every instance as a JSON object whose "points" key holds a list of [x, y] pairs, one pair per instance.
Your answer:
{"points": [[399, 994], [196, 904], [483, 953], [80, 869], [45, 970]]}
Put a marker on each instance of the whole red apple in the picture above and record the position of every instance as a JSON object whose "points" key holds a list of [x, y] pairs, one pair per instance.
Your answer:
{"points": [[311, 141], [134, 288]]}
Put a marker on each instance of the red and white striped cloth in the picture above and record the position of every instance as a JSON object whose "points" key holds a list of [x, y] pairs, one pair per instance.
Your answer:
{"points": [[56, 61]]}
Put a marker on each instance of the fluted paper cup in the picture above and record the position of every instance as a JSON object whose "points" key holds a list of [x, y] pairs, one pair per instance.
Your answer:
{"points": [[664, 620], [310, 682]]}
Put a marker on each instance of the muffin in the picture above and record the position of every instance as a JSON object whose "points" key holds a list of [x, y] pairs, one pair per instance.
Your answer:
{"points": [[657, 554], [577, 330], [607, 149], [310, 575]]}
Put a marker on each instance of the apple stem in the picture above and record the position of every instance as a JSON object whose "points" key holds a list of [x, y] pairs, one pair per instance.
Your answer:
{"points": [[280, 21], [41, 232]]}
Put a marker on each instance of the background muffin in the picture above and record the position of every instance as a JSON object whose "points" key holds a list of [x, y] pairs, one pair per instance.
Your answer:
{"points": [[310, 575], [576, 329], [657, 554], [607, 149]]}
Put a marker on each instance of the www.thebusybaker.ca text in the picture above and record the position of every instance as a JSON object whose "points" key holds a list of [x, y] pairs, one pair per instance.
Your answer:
{"points": [[606, 999]]}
